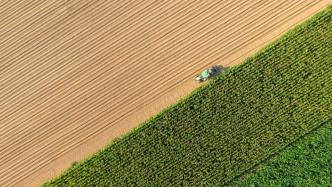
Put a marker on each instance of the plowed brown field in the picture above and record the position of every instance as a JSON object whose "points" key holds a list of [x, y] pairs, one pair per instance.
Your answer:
{"points": [[76, 74]]}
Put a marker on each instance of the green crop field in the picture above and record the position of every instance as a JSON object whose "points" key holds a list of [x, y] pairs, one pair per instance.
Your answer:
{"points": [[229, 126], [306, 163]]}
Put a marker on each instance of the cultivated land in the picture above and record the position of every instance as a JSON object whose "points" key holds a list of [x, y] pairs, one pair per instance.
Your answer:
{"points": [[306, 163], [227, 127], [76, 74]]}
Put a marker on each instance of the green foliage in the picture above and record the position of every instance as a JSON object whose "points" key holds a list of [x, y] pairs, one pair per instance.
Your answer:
{"points": [[225, 128], [306, 163]]}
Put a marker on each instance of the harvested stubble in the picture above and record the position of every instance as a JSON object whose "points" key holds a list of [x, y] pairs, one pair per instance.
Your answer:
{"points": [[230, 125]]}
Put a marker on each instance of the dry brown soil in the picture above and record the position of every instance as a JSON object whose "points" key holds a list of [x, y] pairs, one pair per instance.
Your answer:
{"points": [[76, 74]]}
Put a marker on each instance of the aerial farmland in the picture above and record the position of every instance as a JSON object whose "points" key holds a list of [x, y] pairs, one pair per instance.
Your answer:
{"points": [[104, 92]]}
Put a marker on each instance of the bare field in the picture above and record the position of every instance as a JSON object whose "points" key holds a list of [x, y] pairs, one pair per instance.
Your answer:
{"points": [[76, 74]]}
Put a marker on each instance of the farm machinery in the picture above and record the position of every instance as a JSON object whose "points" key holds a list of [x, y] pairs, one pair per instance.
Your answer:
{"points": [[208, 73]]}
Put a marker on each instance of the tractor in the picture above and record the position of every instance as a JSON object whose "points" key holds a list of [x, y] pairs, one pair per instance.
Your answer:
{"points": [[208, 73]]}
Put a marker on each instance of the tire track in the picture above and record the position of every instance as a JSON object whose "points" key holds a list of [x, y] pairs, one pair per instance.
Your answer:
{"points": [[21, 72], [15, 57], [102, 81]]}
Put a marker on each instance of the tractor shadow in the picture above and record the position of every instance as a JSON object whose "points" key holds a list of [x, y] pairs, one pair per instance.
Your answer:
{"points": [[218, 69]]}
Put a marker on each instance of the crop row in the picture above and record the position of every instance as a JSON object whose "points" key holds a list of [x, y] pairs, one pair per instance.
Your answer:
{"points": [[228, 126], [306, 163]]}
